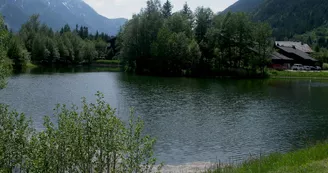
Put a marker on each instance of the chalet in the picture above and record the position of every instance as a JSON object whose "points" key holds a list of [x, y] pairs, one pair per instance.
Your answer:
{"points": [[289, 53], [297, 45]]}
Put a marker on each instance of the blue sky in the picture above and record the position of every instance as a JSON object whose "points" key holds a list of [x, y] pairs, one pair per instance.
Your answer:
{"points": [[125, 8]]}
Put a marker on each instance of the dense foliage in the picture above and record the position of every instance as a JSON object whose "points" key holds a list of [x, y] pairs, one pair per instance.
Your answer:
{"points": [[292, 17], [38, 43], [89, 139], [318, 39], [199, 43], [5, 64], [244, 6]]}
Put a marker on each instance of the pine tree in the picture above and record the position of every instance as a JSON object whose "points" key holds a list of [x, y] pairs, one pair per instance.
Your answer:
{"points": [[167, 9], [188, 13]]}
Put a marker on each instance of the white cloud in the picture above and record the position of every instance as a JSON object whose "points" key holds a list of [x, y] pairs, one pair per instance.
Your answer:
{"points": [[125, 8]]}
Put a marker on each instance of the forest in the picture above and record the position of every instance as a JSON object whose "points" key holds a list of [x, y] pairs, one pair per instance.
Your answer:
{"points": [[292, 17], [155, 42], [39, 44], [185, 43]]}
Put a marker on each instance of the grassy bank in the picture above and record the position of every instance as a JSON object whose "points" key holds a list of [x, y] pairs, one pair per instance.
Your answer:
{"points": [[310, 160], [30, 65], [298, 74], [109, 62]]}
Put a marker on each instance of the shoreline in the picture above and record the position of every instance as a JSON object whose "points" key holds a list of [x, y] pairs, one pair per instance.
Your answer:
{"points": [[272, 74], [310, 159]]}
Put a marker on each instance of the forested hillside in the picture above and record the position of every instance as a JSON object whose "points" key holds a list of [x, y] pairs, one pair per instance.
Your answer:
{"points": [[287, 18], [244, 6], [292, 17]]}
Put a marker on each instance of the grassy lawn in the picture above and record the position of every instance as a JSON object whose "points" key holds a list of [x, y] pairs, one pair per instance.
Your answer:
{"points": [[298, 74], [104, 61], [310, 160]]}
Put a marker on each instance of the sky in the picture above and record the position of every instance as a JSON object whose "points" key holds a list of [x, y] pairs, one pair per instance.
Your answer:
{"points": [[125, 8]]}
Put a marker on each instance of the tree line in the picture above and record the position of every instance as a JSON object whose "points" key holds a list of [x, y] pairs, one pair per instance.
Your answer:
{"points": [[317, 39], [38, 43], [201, 43]]}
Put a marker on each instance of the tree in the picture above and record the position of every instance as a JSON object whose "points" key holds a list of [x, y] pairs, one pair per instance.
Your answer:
{"points": [[89, 51], [51, 46], [101, 48], [263, 46], [29, 30], [138, 35], [97, 35], [167, 9], [5, 65], [178, 23], [67, 28], [17, 53], [204, 18], [188, 14]]}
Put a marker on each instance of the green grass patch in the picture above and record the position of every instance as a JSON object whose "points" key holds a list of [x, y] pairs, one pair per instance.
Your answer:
{"points": [[104, 61], [30, 65], [313, 159], [298, 74]]}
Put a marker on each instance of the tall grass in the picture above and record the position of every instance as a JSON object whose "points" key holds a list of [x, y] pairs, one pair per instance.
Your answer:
{"points": [[299, 74], [297, 161], [89, 139]]}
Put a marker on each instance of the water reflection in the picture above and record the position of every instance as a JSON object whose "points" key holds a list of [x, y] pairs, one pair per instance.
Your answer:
{"points": [[193, 119]]}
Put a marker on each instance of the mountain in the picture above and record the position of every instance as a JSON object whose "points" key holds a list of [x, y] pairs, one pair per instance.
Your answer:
{"points": [[244, 6], [292, 17], [287, 17], [57, 13]]}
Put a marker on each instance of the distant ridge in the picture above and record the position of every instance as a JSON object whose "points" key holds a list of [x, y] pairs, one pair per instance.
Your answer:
{"points": [[57, 13]]}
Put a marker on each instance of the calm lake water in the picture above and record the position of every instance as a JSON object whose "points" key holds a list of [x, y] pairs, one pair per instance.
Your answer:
{"points": [[193, 119]]}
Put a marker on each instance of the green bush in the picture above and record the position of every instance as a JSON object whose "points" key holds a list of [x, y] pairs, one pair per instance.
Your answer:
{"points": [[89, 139], [325, 66]]}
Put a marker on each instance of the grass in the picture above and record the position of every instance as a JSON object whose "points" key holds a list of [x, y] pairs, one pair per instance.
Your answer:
{"points": [[298, 74], [310, 160], [30, 65], [112, 62]]}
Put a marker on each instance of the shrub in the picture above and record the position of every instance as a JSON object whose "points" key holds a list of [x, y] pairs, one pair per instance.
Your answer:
{"points": [[90, 139], [325, 66]]}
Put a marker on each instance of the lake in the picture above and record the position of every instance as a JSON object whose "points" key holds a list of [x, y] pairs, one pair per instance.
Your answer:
{"points": [[193, 119]]}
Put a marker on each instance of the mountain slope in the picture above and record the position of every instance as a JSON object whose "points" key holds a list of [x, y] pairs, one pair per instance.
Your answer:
{"points": [[293, 16], [244, 6], [57, 13]]}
